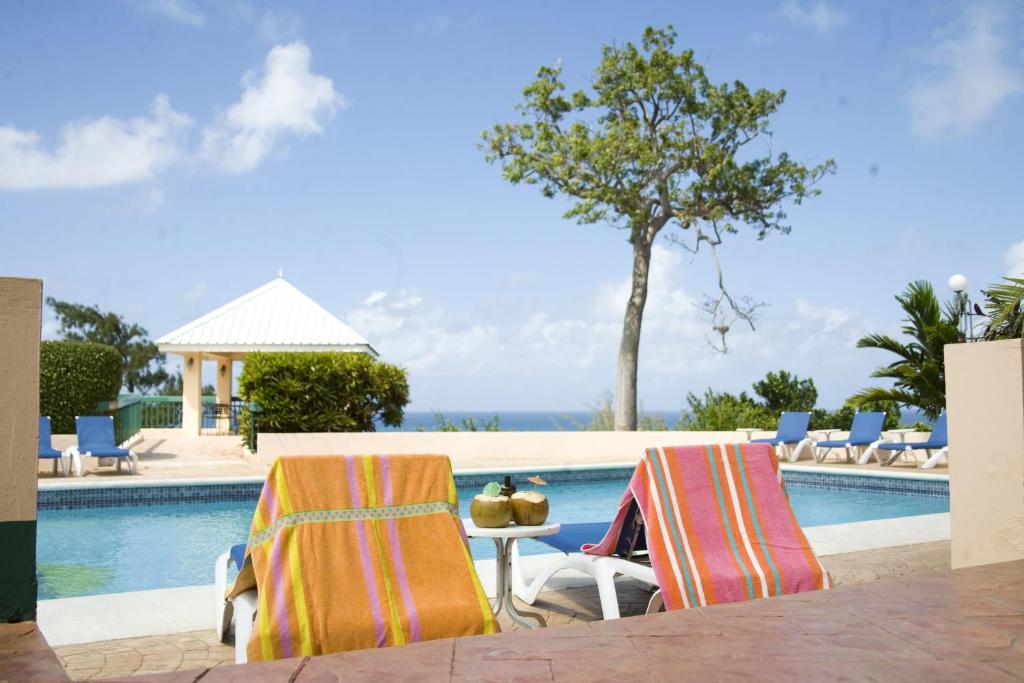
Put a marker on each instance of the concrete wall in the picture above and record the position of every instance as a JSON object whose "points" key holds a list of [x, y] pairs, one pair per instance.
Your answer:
{"points": [[481, 450], [985, 401], [21, 302]]}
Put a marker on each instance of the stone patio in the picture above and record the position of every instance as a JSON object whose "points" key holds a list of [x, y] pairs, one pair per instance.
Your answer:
{"points": [[201, 649], [966, 625]]}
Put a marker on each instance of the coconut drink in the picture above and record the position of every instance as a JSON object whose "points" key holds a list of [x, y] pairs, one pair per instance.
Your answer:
{"points": [[529, 508], [490, 509]]}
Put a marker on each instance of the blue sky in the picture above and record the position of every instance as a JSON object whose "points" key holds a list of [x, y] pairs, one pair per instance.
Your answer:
{"points": [[161, 157]]}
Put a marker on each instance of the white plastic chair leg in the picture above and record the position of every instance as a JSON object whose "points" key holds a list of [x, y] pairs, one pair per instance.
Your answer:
{"points": [[76, 461], [871, 452], [933, 460], [245, 614], [223, 608], [657, 603], [528, 592], [605, 576]]}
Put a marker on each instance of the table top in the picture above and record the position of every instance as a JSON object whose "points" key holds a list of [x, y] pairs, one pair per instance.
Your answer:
{"points": [[900, 431], [510, 531]]}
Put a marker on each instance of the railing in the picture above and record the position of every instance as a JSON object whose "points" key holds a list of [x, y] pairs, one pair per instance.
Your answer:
{"points": [[164, 412], [127, 412]]}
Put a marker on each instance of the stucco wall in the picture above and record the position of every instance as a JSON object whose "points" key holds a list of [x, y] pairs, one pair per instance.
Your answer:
{"points": [[20, 326], [985, 401], [482, 450]]}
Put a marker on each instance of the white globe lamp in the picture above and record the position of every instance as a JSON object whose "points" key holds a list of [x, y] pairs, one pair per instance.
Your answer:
{"points": [[958, 283]]}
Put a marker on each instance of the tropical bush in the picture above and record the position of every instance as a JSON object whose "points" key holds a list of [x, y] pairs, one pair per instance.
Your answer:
{"points": [[1005, 308], [724, 412], [74, 377], [919, 371], [322, 392], [469, 424]]}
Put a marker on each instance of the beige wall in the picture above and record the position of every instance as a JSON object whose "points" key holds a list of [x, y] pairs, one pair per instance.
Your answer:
{"points": [[21, 302], [483, 450], [985, 402]]}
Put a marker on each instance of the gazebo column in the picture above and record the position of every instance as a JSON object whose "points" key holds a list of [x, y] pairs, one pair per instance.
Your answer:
{"points": [[224, 392], [191, 394]]}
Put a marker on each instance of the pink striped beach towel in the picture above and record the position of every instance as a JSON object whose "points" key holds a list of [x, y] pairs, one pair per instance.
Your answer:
{"points": [[719, 526]]}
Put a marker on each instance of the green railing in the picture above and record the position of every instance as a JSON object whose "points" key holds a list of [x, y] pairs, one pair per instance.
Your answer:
{"points": [[127, 412]]}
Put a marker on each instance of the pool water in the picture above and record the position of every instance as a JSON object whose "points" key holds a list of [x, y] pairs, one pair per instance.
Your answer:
{"points": [[110, 550]]}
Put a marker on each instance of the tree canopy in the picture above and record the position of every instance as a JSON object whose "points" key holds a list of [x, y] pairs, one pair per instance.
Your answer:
{"points": [[654, 143], [142, 362], [919, 371]]}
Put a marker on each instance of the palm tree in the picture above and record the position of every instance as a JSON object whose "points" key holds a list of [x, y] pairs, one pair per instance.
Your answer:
{"points": [[1005, 308], [919, 372]]}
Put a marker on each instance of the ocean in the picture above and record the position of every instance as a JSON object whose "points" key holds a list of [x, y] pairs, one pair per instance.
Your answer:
{"points": [[513, 421]]}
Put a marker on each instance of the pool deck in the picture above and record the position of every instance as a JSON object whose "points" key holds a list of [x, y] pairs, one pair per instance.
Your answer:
{"points": [[958, 625], [200, 648], [165, 454]]}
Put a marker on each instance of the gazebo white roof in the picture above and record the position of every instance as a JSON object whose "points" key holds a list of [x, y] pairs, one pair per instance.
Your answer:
{"points": [[274, 317]]}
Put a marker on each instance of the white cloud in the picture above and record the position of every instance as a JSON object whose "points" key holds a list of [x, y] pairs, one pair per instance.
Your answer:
{"points": [[286, 99], [818, 15], [550, 353], [973, 75], [1014, 258], [94, 152], [180, 11], [279, 26], [196, 292]]}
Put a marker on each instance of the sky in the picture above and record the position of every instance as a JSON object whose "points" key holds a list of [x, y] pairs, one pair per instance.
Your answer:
{"points": [[159, 158]]}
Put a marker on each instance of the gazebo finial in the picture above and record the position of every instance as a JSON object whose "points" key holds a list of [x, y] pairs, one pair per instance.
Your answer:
{"points": [[280, 272]]}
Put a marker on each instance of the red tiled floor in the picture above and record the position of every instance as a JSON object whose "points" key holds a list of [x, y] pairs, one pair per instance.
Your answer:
{"points": [[959, 626]]}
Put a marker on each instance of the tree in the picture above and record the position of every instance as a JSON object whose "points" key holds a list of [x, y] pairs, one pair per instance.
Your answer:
{"points": [[174, 385], [142, 362], [781, 391], [655, 144], [919, 372], [1005, 306], [724, 412]]}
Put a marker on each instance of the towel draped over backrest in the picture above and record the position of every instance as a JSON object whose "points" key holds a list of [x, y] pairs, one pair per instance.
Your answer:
{"points": [[718, 526], [359, 551]]}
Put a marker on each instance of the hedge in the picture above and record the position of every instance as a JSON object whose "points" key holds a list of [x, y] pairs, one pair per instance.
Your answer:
{"points": [[322, 392], [74, 377]]}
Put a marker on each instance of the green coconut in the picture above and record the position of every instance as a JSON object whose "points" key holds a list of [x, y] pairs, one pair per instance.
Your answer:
{"points": [[529, 508], [490, 512]]}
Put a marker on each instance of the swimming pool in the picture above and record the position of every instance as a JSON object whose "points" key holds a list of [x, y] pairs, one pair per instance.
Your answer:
{"points": [[92, 550]]}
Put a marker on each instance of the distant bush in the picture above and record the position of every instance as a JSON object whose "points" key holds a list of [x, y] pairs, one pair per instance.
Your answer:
{"points": [[74, 377], [322, 392], [725, 412], [469, 424]]}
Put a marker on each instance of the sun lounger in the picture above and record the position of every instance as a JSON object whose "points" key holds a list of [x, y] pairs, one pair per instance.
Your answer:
{"points": [[706, 524], [96, 439], [791, 438], [46, 449], [865, 432], [352, 552], [938, 441]]}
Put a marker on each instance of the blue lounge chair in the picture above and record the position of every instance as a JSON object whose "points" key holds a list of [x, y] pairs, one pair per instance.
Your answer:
{"points": [[865, 432], [96, 439], [46, 449], [791, 438], [938, 441]]}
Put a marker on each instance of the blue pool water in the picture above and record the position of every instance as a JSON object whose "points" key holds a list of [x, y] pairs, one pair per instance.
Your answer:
{"points": [[110, 550]]}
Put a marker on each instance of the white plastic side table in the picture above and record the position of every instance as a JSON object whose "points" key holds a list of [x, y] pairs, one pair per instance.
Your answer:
{"points": [[504, 538]]}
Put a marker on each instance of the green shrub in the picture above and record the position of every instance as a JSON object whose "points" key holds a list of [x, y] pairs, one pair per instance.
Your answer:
{"points": [[724, 412], [322, 392], [74, 377]]}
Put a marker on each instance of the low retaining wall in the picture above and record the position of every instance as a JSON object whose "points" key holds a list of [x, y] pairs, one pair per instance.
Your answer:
{"points": [[482, 450]]}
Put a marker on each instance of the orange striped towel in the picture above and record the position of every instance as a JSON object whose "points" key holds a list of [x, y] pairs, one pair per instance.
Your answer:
{"points": [[719, 527], [359, 551]]}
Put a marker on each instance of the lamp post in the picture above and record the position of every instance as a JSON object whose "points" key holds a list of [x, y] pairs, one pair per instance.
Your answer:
{"points": [[958, 283]]}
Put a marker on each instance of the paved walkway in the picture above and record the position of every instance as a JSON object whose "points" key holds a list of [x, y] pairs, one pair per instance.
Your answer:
{"points": [[965, 625], [166, 454], [200, 649]]}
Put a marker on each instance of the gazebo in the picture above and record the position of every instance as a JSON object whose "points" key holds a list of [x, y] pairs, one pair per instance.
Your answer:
{"points": [[274, 317]]}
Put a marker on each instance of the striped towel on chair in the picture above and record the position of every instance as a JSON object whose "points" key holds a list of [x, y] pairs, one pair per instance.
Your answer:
{"points": [[359, 551], [719, 527]]}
